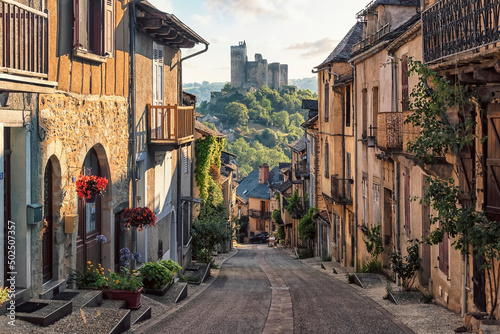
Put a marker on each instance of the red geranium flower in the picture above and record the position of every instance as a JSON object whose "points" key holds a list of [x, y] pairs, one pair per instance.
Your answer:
{"points": [[88, 185], [139, 218]]}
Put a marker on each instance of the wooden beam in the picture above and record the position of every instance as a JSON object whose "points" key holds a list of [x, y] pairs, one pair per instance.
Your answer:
{"points": [[468, 78], [150, 23], [489, 75]]}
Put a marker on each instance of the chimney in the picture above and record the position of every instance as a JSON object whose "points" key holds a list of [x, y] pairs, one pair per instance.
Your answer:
{"points": [[263, 173]]}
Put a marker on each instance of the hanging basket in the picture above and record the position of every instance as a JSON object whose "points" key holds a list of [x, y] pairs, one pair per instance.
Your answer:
{"points": [[91, 199]]}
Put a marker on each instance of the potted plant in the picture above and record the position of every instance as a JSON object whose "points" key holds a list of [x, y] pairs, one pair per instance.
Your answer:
{"points": [[125, 285], [4, 295], [156, 278], [139, 218], [90, 277], [89, 186]]}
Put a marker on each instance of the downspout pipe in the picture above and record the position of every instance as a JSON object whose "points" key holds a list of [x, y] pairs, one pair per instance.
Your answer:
{"points": [[180, 66], [355, 164], [132, 121]]}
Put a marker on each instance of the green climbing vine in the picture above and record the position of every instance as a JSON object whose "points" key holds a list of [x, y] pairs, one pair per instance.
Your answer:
{"points": [[445, 115], [208, 151]]}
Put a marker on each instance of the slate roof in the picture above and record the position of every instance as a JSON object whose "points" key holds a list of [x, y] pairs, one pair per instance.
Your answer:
{"points": [[299, 145], [309, 122], [372, 5], [200, 127], [310, 104], [395, 33], [323, 215], [284, 165], [342, 51], [284, 186], [250, 187]]}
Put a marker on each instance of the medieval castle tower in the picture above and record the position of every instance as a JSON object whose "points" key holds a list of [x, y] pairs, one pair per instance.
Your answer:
{"points": [[247, 74]]}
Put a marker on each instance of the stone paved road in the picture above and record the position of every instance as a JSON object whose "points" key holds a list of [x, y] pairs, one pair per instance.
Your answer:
{"points": [[263, 290]]}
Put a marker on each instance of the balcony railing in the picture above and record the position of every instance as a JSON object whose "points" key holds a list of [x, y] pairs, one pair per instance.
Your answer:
{"points": [[259, 214], [170, 124], [341, 190], [450, 27], [372, 38], [410, 132], [301, 168], [24, 40], [390, 130]]}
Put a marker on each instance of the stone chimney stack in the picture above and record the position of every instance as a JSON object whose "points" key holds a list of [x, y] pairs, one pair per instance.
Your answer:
{"points": [[263, 173]]}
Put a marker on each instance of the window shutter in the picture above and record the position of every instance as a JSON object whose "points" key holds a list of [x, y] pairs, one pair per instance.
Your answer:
{"points": [[109, 28], [404, 84], [76, 24], [157, 74], [407, 202]]}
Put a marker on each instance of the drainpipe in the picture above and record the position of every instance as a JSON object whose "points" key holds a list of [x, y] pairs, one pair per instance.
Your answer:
{"points": [[133, 116], [180, 67], [355, 163]]}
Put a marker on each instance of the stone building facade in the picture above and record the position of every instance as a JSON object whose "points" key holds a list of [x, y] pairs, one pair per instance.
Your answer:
{"points": [[255, 74]]}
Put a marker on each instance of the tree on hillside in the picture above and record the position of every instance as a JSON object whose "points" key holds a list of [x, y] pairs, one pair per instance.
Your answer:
{"points": [[236, 114], [296, 119], [268, 138], [280, 119]]}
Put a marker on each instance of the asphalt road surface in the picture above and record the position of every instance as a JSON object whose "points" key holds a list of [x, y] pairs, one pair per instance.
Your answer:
{"points": [[264, 290]]}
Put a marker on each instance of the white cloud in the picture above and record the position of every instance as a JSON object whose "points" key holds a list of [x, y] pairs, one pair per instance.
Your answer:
{"points": [[313, 49], [203, 20], [252, 10]]}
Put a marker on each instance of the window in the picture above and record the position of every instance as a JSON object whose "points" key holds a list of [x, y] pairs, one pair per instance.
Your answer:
{"points": [[336, 229], [375, 111], [348, 106], [327, 167], [157, 74], [327, 102], [443, 255], [376, 204], [364, 111], [93, 26], [163, 179], [364, 188], [404, 84], [348, 176]]}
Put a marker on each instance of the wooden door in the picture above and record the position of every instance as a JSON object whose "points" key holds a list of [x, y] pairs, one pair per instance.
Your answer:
{"points": [[47, 222], [478, 281], [492, 179], [89, 220]]}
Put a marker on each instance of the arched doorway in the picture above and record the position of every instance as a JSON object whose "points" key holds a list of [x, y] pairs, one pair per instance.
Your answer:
{"points": [[48, 206], [89, 219]]}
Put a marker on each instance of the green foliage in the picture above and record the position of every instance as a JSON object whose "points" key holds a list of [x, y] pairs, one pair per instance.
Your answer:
{"points": [[305, 253], [155, 275], [268, 138], [281, 232], [281, 119], [296, 206], [350, 278], [373, 242], [372, 266], [427, 298], [202, 91], [307, 225], [326, 258], [432, 99], [209, 230], [208, 151], [406, 267], [90, 277], [276, 215], [124, 280], [236, 114]]}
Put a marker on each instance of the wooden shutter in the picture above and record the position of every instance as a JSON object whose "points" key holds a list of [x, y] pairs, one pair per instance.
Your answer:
{"points": [[76, 24], [327, 164], [407, 202], [109, 28], [443, 255], [348, 106], [404, 84], [327, 102], [492, 180], [157, 74], [364, 111], [80, 24]]}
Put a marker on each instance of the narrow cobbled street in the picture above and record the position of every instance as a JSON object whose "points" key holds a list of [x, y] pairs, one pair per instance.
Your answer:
{"points": [[265, 290]]}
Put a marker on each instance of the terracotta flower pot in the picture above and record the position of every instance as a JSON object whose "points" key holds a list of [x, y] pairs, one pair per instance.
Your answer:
{"points": [[133, 298]]}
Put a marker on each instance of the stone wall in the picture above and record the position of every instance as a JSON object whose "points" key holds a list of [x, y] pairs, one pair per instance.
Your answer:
{"points": [[72, 124]]}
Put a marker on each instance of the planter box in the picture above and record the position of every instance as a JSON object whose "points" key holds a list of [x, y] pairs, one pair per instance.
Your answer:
{"points": [[133, 298], [159, 292]]}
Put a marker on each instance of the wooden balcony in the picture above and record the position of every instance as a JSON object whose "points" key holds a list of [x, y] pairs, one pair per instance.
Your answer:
{"points": [[259, 214], [170, 125], [24, 40], [390, 130], [410, 133], [301, 168], [450, 27], [341, 190]]}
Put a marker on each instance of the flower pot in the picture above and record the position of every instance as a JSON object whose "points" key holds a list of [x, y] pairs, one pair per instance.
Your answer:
{"points": [[133, 298], [91, 199], [158, 292]]}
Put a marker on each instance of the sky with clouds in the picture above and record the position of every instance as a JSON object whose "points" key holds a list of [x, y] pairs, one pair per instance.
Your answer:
{"points": [[300, 33]]}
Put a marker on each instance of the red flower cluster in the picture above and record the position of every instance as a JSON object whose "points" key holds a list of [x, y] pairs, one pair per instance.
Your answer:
{"points": [[88, 185], [139, 218]]}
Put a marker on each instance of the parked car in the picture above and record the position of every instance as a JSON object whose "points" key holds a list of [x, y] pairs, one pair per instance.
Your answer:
{"points": [[258, 238]]}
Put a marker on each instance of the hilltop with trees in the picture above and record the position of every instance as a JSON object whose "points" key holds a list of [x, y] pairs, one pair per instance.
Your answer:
{"points": [[264, 122]]}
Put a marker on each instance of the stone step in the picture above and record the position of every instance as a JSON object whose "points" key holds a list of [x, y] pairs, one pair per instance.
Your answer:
{"points": [[43, 312], [52, 288], [175, 294], [81, 298]]}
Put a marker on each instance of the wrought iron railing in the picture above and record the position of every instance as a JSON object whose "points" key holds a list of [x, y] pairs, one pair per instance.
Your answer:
{"points": [[341, 190], [24, 40], [450, 27], [372, 38], [390, 130], [170, 124], [259, 214]]}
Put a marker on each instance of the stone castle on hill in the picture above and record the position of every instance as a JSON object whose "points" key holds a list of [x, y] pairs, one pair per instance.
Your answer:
{"points": [[255, 74]]}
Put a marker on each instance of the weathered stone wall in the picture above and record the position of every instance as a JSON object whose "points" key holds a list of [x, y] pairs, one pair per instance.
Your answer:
{"points": [[73, 124]]}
